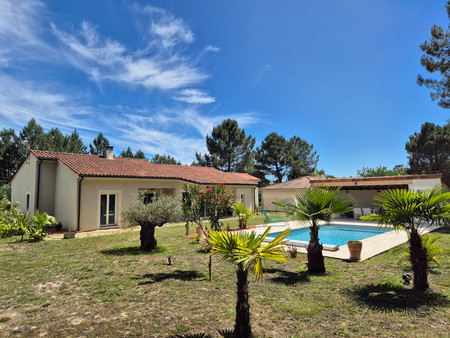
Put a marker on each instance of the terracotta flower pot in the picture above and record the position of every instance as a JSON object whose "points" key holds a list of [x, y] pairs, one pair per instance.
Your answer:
{"points": [[355, 248]]}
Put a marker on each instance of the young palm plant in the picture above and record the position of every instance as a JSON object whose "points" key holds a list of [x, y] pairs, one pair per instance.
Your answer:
{"points": [[413, 212], [246, 252], [311, 206]]}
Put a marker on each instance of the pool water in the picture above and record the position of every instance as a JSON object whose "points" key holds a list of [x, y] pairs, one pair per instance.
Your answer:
{"points": [[336, 234]]}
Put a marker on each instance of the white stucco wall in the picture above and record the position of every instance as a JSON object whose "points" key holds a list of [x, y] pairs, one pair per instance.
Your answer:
{"points": [[423, 184], [23, 183], [47, 187], [269, 196], [66, 197], [126, 190]]}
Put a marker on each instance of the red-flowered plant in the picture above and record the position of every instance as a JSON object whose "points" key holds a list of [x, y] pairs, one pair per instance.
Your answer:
{"points": [[217, 202]]}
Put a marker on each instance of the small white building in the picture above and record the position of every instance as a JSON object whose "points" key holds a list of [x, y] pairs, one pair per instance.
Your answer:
{"points": [[88, 192], [363, 189]]}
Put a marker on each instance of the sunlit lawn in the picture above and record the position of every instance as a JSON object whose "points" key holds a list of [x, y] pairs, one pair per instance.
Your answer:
{"points": [[104, 286]]}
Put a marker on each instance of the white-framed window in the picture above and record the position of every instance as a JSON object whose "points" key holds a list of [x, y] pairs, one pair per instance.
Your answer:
{"points": [[243, 198], [108, 209]]}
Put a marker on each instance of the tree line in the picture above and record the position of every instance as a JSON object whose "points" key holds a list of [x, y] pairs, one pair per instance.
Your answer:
{"points": [[14, 147], [230, 149]]}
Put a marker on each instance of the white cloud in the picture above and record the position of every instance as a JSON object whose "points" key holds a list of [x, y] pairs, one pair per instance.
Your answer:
{"points": [[21, 101], [161, 63], [21, 32], [106, 59], [211, 48], [18, 21], [194, 96]]}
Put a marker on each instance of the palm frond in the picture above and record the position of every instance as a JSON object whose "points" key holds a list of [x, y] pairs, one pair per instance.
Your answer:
{"points": [[246, 250]]}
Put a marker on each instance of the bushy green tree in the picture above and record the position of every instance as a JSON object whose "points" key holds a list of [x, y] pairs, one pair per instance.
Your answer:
{"points": [[302, 159], [311, 206], [436, 60], [54, 140], [140, 155], [149, 216], [272, 157], [429, 150], [413, 212], [11, 154], [230, 149], [32, 135], [382, 171], [164, 159], [127, 153], [75, 144], [99, 145], [285, 159]]}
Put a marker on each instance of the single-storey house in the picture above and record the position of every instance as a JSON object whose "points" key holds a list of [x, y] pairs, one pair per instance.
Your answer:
{"points": [[88, 192], [363, 189]]}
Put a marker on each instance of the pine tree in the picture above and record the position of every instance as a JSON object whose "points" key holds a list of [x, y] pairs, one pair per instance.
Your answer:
{"points": [[436, 59], [229, 148], [75, 144], [54, 140], [429, 150], [164, 159], [100, 143], [272, 157], [127, 153], [11, 154], [32, 135]]}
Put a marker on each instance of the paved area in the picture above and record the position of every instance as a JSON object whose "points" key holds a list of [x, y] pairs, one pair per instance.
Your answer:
{"points": [[371, 247]]}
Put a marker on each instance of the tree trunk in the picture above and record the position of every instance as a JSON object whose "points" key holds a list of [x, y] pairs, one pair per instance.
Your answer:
{"points": [[316, 263], [242, 327], [419, 261], [187, 228], [148, 240]]}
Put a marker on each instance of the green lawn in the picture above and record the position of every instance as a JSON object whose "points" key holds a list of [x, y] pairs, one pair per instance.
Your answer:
{"points": [[104, 286]]}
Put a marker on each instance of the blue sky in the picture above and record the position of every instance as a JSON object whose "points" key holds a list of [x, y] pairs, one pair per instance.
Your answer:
{"points": [[158, 75]]}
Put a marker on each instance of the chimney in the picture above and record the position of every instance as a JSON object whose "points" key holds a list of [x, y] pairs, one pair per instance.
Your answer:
{"points": [[110, 153]]}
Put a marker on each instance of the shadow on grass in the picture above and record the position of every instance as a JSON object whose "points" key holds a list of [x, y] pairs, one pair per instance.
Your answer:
{"points": [[288, 277], [131, 251], [177, 274], [192, 335], [442, 230], [391, 298]]}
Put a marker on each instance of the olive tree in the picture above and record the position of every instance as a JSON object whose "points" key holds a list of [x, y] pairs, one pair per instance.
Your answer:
{"points": [[149, 216]]}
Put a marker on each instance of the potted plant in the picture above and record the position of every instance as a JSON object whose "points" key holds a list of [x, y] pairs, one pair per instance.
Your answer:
{"points": [[355, 248]]}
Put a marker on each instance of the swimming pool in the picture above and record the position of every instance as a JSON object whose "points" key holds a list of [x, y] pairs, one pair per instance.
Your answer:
{"points": [[335, 234]]}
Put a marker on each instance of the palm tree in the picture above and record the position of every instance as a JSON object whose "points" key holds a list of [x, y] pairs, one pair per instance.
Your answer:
{"points": [[413, 212], [311, 206], [246, 252]]}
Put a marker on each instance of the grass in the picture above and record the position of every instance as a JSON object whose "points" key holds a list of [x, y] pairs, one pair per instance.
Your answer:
{"points": [[105, 286]]}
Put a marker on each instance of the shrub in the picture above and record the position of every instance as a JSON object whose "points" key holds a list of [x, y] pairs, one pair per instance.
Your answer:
{"points": [[5, 192], [243, 213]]}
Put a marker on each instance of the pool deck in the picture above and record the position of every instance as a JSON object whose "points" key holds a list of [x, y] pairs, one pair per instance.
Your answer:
{"points": [[371, 247]]}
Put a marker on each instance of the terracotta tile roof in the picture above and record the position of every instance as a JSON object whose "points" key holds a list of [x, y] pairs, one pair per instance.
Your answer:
{"points": [[307, 181], [351, 180], [248, 177], [298, 183], [95, 166]]}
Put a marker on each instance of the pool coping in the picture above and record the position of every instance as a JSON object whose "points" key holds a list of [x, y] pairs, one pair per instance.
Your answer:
{"points": [[372, 246]]}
